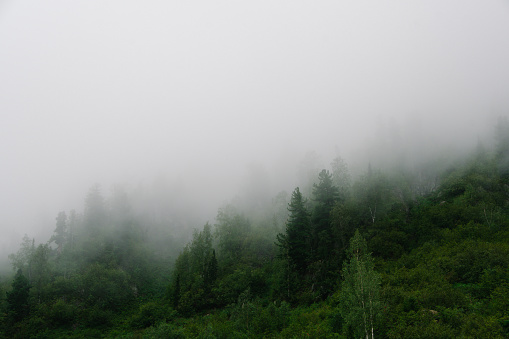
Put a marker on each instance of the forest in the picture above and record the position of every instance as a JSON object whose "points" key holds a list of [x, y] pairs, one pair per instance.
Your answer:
{"points": [[410, 252]]}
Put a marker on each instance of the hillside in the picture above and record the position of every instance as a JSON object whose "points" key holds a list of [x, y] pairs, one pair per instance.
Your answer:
{"points": [[392, 254]]}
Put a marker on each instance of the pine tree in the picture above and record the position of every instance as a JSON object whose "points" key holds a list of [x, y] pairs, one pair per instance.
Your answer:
{"points": [[325, 194], [295, 242], [17, 298], [60, 233], [232, 231]]}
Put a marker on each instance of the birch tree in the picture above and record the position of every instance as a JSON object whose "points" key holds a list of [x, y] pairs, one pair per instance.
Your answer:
{"points": [[360, 290]]}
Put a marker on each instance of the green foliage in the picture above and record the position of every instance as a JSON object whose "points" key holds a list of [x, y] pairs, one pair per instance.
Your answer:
{"points": [[60, 233], [344, 224], [341, 177], [422, 324], [41, 270], [360, 302], [232, 285], [312, 322], [499, 301], [95, 215], [17, 298], [324, 269], [273, 318], [325, 195], [502, 146], [196, 270], [164, 330], [61, 313], [244, 312], [95, 316], [22, 260], [106, 288], [150, 314], [439, 266], [232, 232], [294, 244], [324, 192], [249, 316], [373, 196]]}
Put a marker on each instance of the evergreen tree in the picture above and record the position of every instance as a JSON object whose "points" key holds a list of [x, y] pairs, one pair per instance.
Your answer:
{"points": [[195, 272], [325, 195], [233, 233], [341, 177], [360, 303], [17, 298], [22, 260], [60, 233], [295, 242]]}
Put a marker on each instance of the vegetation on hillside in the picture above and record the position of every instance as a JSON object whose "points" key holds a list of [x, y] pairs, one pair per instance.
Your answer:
{"points": [[390, 255]]}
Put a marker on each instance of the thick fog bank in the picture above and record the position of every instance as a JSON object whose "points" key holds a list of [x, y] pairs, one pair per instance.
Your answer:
{"points": [[190, 106]]}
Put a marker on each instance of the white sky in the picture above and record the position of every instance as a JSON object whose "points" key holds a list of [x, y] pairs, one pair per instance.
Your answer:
{"points": [[114, 91]]}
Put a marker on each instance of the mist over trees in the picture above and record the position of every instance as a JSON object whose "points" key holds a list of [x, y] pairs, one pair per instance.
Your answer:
{"points": [[385, 252], [262, 169]]}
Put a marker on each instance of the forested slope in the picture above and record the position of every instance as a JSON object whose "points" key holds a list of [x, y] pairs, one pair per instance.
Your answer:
{"points": [[389, 255]]}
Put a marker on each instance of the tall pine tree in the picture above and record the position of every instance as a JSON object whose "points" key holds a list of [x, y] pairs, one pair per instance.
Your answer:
{"points": [[295, 242], [60, 233], [325, 195]]}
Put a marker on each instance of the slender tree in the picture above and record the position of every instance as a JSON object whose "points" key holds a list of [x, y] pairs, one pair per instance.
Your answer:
{"points": [[60, 233], [360, 303], [295, 242], [325, 195]]}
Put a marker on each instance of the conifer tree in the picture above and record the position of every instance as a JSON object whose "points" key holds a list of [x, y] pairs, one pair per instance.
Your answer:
{"points": [[325, 194], [295, 242], [60, 233], [17, 298]]}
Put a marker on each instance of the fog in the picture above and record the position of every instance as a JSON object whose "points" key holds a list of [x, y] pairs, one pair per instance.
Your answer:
{"points": [[204, 98]]}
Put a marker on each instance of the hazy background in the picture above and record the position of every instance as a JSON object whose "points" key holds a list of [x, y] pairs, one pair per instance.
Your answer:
{"points": [[199, 95]]}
